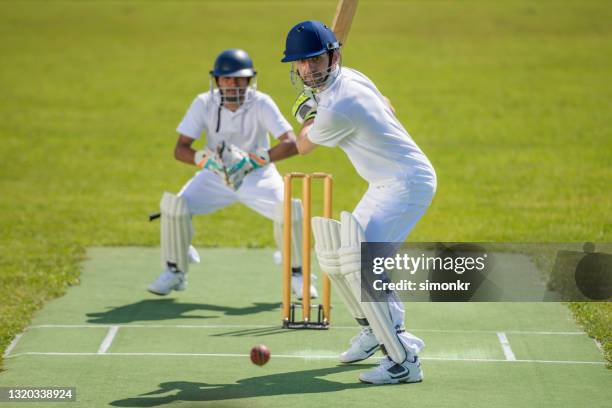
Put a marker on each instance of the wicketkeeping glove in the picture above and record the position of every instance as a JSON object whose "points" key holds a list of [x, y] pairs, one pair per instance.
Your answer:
{"points": [[240, 163], [212, 160], [208, 159]]}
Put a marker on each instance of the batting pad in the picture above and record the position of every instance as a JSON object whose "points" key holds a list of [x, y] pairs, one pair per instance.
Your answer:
{"points": [[176, 232], [327, 243], [399, 345], [296, 230]]}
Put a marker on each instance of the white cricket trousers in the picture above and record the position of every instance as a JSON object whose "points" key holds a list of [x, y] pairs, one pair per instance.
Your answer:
{"points": [[388, 211], [261, 191]]}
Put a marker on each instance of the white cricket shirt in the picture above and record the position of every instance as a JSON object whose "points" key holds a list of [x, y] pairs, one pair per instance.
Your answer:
{"points": [[353, 115], [246, 128]]}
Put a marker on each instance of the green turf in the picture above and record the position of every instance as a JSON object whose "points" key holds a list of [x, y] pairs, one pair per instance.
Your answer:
{"points": [[553, 347], [510, 100], [231, 306]]}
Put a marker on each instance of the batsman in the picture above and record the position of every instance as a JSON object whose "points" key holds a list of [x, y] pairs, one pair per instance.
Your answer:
{"points": [[342, 107], [236, 165]]}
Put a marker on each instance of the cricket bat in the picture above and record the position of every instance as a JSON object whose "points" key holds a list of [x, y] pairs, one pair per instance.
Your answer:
{"points": [[344, 17]]}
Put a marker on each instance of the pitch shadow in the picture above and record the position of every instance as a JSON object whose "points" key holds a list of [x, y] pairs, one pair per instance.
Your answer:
{"points": [[293, 382], [168, 309]]}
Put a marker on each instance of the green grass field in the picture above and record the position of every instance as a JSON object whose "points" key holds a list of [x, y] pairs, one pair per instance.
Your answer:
{"points": [[510, 100], [191, 349]]}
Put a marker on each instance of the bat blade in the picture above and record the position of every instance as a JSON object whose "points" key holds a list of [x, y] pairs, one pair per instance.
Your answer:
{"points": [[344, 17]]}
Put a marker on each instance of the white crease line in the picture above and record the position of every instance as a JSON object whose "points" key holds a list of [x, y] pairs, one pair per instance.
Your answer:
{"points": [[560, 333], [12, 345], [503, 340], [487, 360], [312, 357], [263, 326], [108, 340]]}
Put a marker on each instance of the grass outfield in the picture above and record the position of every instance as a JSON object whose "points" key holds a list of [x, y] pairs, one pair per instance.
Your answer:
{"points": [[510, 100]]}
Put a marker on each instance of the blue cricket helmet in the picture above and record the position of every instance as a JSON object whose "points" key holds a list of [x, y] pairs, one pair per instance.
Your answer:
{"points": [[233, 63], [308, 39]]}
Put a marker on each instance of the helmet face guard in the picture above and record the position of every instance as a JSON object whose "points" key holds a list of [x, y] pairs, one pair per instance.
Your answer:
{"points": [[232, 94], [233, 63], [315, 81]]}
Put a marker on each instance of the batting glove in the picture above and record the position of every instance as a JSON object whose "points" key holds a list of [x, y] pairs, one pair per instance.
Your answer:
{"points": [[304, 108]]}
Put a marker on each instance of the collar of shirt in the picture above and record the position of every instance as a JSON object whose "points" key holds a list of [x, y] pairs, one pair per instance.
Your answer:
{"points": [[334, 85]]}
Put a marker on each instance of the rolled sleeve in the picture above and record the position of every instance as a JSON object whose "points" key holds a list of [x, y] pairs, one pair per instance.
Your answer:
{"points": [[194, 121]]}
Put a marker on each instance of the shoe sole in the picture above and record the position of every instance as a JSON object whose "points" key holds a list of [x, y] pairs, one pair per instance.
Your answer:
{"points": [[157, 293], [396, 382], [404, 380]]}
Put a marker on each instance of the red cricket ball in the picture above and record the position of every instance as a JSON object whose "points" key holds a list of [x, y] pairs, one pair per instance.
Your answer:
{"points": [[260, 354]]}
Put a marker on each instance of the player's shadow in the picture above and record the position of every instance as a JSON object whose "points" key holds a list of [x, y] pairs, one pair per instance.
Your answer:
{"points": [[167, 309], [294, 382]]}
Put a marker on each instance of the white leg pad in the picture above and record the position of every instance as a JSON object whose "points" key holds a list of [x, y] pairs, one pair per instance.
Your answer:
{"points": [[296, 230], [327, 243], [176, 232], [399, 345]]}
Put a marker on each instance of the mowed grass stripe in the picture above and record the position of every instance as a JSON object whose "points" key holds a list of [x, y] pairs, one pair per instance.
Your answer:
{"points": [[297, 356]]}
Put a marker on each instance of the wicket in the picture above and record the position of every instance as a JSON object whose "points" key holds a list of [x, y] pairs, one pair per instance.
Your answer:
{"points": [[288, 308]]}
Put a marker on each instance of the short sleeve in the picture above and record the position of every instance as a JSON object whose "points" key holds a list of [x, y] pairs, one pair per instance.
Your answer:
{"points": [[272, 119], [330, 128], [194, 121]]}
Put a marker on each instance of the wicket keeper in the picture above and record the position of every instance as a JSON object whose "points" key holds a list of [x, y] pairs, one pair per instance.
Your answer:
{"points": [[237, 165]]}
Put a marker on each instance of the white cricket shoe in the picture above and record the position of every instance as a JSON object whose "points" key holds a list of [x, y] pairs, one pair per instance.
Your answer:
{"points": [[389, 372], [363, 345], [168, 281], [296, 286]]}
